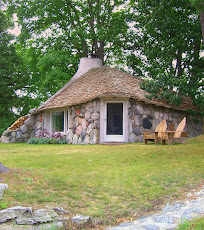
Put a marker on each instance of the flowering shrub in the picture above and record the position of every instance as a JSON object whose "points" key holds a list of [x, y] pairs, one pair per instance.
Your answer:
{"points": [[44, 137], [45, 134]]}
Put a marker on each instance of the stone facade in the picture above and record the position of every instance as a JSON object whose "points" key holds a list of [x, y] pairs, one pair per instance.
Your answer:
{"points": [[20, 135], [84, 123], [145, 117]]}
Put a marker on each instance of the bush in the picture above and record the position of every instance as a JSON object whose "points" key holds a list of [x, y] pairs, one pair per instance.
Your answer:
{"points": [[44, 137], [40, 141]]}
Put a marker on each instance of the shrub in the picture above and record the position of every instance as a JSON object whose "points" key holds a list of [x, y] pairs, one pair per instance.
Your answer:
{"points": [[44, 137], [40, 141]]}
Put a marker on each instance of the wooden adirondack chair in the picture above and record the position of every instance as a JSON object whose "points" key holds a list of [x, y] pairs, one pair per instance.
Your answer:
{"points": [[155, 135], [175, 135]]}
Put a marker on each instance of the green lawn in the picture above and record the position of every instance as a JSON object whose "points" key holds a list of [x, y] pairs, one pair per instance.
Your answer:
{"points": [[195, 224], [105, 182]]}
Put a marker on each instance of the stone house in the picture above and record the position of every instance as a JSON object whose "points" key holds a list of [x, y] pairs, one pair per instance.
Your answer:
{"points": [[101, 104]]}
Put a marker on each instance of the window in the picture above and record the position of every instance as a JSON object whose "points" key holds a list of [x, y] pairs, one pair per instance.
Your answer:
{"points": [[58, 121]]}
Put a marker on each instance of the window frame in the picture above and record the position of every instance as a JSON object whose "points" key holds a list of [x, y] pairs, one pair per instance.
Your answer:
{"points": [[66, 112]]}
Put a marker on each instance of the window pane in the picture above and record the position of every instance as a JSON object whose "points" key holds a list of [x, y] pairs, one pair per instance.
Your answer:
{"points": [[58, 121], [114, 119]]}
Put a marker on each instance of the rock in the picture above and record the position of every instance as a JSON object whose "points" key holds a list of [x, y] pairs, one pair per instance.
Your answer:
{"points": [[89, 129], [26, 218], [30, 121], [193, 210], [150, 117], [140, 109], [70, 125], [69, 136], [80, 120], [42, 216], [77, 112], [83, 134], [130, 126], [83, 123], [5, 139], [24, 128], [132, 138], [87, 140], [2, 187], [25, 136], [94, 103], [130, 113], [186, 217], [78, 130], [164, 219], [89, 105], [80, 141], [80, 219], [97, 124], [19, 134], [13, 134], [7, 133], [137, 120], [156, 115], [75, 139], [95, 116], [172, 208], [125, 224], [11, 213], [60, 210], [50, 226], [166, 116], [151, 227], [76, 122], [3, 168], [87, 115], [94, 137], [147, 124], [83, 110], [92, 110], [136, 131]]}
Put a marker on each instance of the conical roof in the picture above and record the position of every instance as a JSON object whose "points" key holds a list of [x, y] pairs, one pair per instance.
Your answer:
{"points": [[104, 82]]}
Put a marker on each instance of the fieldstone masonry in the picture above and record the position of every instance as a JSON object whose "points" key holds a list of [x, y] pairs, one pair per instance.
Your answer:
{"points": [[84, 123], [144, 117], [22, 132]]}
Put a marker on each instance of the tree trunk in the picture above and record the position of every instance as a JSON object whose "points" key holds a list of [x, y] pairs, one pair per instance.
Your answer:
{"points": [[202, 23]]}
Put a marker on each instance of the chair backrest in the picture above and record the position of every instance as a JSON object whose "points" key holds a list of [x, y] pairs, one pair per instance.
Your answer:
{"points": [[180, 128], [161, 128]]}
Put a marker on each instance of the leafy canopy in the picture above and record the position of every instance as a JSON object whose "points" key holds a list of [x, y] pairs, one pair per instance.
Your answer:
{"points": [[170, 42]]}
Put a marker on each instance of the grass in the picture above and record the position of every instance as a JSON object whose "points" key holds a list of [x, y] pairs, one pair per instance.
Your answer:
{"points": [[196, 224], [106, 182]]}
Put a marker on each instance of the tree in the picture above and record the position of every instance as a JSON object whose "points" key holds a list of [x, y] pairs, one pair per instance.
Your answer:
{"points": [[10, 79], [59, 32], [200, 7], [170, 45]]}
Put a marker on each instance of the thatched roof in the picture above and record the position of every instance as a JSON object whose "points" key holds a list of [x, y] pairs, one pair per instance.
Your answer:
{"points": [[102, 82]]}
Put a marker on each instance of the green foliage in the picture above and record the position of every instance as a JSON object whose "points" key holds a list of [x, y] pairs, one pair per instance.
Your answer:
{"points": [[11, 81], [170, 43], [196, 224], [56, 34], [40, 141], [100, 180]]}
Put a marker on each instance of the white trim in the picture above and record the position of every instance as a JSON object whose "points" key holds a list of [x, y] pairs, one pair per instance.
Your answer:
{"points": [[103, 120], [65, 110]]}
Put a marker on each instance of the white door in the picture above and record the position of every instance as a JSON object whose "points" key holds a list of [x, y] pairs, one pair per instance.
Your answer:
{"points": [[114, 122]]}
